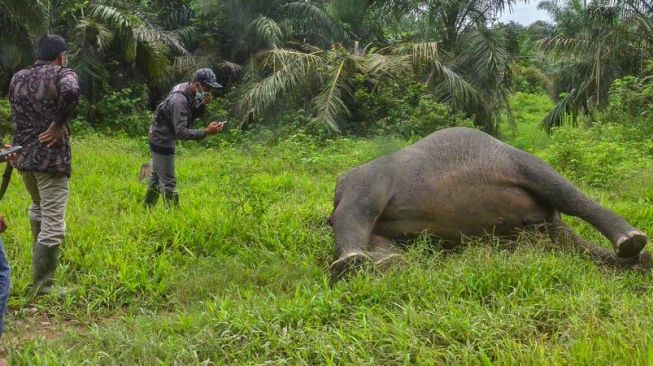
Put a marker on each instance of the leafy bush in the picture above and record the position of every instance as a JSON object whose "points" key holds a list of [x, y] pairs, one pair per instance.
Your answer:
{"points": [[6, 125], [529, 79], [601, 156], [123, 111], [427, 117], [415, 114], [632, 96]]}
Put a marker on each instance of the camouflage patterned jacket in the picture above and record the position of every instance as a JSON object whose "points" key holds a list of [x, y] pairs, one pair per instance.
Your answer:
{"points": [[39, 95]]}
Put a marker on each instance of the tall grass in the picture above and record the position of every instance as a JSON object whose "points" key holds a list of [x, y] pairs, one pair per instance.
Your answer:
{"points": [[239, 274]]}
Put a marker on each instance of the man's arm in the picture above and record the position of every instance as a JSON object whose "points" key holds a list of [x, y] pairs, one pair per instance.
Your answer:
{"points": [[180, 113], [66, 105], [68, 97]]}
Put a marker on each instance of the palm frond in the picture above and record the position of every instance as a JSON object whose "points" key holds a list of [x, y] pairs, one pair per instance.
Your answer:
{"points": [[421, 53], [230, 67], [329, 103], [184, 65], [266, 30], [90, 31], [485, 54], [111, 15], [281, 57], [153, 58], [313, 16], [563, 108], [452, 86], [569, 47], [148, 34], [387, 65], [290, 70]]}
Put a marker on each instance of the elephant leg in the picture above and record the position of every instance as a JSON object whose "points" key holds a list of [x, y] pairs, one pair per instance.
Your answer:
{"points": [[357, 208], [562, 233], [382, 250], [558, 192], [353, 227]]}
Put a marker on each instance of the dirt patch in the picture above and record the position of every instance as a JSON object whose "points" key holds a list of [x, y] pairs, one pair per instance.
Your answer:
{"points": [[28, 324]]}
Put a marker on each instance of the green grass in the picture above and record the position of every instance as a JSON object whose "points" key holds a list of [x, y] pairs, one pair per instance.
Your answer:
{"points": [[529, 110], [239, 274]]}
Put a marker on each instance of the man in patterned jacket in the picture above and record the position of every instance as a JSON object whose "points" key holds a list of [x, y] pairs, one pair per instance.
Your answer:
{"points": [[43, 100]]}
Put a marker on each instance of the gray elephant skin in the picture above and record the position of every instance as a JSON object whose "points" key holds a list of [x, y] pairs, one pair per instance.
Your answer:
{"points": [[461, 182]]}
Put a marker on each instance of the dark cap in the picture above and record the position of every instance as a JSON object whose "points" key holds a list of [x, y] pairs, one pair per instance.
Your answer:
{"points": [[206, 76]]}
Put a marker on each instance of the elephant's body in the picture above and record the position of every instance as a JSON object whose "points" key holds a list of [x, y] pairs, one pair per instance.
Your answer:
{"points": [[461, 182]]}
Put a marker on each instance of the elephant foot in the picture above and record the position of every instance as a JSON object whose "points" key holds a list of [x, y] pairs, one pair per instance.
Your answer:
{"points": [[631, 244], [645, 262], [385, 259], [346, 264], [642, 262]]}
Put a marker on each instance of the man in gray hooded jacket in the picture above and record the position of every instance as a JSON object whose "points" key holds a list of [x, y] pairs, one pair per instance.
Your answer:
{"points": [[173, 120]]}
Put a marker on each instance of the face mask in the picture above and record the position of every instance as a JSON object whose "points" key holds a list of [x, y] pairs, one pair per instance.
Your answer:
{"points": [[199, 95], [64, 59]]}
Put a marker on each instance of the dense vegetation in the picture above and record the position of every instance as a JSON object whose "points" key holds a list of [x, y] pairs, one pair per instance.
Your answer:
{"points": [[339, 62], [313, 88]]}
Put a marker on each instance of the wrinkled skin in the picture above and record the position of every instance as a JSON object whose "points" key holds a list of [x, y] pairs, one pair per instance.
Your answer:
{"points": [[462, 182]]}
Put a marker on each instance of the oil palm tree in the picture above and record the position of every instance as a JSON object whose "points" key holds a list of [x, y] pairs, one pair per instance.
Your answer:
{"points": [[129, 44], [20, 22], [596, 43], [474, 78], [323, 79]]}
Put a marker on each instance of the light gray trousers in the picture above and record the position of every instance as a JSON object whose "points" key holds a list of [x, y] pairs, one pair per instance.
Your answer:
{"points": [[49, 194], [163, 173]]}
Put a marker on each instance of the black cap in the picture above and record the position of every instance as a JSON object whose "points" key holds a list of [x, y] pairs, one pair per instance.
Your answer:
{"points": [[206, 76]]}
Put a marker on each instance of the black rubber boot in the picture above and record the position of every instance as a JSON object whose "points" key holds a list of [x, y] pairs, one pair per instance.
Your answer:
{"points": [[44, 264], [36, 230], [171, 199], [151, 197]]}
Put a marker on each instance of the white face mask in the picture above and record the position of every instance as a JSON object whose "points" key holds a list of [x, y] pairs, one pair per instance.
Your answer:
{"points": [[64, 59]]}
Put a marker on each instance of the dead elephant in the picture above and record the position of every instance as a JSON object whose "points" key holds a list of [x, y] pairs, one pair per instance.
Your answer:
{"points": [[462, 182]]}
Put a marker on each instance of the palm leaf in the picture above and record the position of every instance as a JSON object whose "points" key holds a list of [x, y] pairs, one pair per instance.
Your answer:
{"points": [[302, 12], [266, 30], [329, 103], [290, 70], [563, 108], [422, 53], [111, 15]]}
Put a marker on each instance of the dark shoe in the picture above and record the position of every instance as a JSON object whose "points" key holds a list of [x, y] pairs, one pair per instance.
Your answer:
{"points": [[171, 199], [151, 197], [44, 264]]}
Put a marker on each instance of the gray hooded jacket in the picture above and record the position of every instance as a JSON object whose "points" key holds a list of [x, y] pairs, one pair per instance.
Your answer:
{"points": [[173, 120]]}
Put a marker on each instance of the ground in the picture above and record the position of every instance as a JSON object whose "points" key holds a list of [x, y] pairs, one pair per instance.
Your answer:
{"points": [[240, 274]]}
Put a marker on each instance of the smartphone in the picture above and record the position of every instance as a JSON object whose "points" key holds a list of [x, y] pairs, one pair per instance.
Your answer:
{"points": [[12, 150]]}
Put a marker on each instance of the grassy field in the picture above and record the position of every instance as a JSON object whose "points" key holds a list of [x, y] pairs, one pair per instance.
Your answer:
{"points": [[239, 274]]}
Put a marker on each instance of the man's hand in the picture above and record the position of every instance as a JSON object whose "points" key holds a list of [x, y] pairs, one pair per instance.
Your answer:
{"points": [[3, 224], [8, 158], [53, 135], [207, 99], [214, 127]]}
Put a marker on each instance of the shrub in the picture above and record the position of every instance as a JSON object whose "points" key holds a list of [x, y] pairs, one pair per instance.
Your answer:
{"points": [[631, 102], [529, 79], [123, 111], [602, 156], [415, 113], [6, 125]]}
